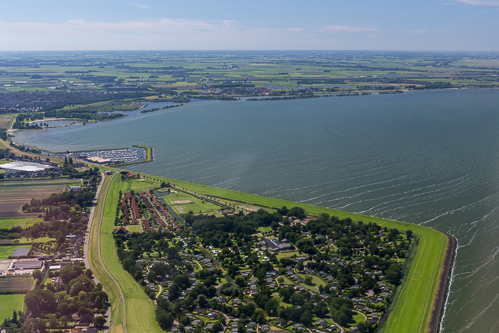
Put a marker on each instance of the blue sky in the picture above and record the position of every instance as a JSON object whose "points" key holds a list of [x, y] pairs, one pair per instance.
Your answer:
{"points": [[456, 25]]}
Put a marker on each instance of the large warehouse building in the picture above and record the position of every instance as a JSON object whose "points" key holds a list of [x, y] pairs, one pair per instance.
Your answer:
{"points": [[25, 166]]}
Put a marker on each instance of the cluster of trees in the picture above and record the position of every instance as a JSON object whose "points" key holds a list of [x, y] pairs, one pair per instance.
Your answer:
{"points": [[22, 121], [83, 115], [54, 305]]}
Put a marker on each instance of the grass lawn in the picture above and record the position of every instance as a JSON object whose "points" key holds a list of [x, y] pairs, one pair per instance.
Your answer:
{"points": [[358, 318], [134, 228], [287, 281], [35, 240], [9, 303], [317, 281], [6, 251], [183, 202], [287, 254], [138, 185], [7, 223]]}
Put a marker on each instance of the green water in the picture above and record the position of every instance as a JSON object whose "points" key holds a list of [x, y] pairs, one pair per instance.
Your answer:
{"points": [[422, 157]]}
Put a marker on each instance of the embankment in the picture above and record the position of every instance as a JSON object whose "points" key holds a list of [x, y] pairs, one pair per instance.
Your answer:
{"points": [[442, 289]]}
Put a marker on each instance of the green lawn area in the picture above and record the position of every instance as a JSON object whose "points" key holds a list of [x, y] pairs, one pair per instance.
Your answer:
{"points": [[287, 281], [6, 251], [414, 305], [182, 203], [139, 308], [138, 185], [7, 223], [134, 228], [35, 240], [358, 318], [317, 281], [9, 303], [287, 254]]}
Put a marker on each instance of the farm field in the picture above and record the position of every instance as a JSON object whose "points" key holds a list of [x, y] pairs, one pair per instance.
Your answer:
{"points": [[6, 250], [5, 120], [23, 240], [7, 223], [13, 194], [16, 283], [9, 303]]}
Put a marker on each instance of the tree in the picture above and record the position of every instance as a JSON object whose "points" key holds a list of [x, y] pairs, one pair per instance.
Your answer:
{"points": [[306, 318], [99, 321], [272, 305], [408, 233], [64, 321], [165, 319], [37, 274], [308, 280], [202, 300]]}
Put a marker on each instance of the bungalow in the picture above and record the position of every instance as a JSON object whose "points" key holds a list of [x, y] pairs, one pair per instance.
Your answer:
{"points": [[281, 321]]}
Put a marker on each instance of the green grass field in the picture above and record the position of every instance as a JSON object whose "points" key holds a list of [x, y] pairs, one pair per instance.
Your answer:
{"points": [[139, 308], [35, 240], [6, 250], [7, 223], [413, 308], [287, 254], [183, 202], [9, 303], [134, 228]]}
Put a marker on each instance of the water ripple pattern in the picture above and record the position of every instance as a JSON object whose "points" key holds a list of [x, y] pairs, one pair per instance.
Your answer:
{"points": [[423, 157]]}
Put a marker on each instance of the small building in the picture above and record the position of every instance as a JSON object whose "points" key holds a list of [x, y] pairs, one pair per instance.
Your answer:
{"points": [[121, 231]]}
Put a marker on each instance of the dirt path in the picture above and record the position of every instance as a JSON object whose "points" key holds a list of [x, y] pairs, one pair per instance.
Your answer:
{"points": [[122, 298]]}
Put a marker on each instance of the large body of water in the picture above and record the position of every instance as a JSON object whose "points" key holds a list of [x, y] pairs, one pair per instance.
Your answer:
{"points": [[422, 157]]}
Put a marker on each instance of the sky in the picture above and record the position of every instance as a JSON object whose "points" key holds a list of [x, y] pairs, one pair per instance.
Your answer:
{"points": [[429, 25]]}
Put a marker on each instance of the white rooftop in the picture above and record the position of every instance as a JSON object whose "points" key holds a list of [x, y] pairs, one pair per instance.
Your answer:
{"points": [[24, 166]]}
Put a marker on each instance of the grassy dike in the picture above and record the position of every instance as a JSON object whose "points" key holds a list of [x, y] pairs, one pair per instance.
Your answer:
{"points": [[417, 298], [140, 316]]}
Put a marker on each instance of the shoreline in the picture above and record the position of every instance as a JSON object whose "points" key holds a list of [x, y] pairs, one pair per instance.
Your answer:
{"points": [[440, 299]]}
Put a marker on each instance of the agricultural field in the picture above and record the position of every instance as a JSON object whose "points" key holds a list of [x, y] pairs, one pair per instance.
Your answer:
{"points": [[13, 194], [5, 120], [6, 250], [9, 303], [17, 283], [7, 223]]}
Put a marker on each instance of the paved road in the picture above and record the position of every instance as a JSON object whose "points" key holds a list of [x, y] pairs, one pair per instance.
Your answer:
{"points": [[87, 240]]}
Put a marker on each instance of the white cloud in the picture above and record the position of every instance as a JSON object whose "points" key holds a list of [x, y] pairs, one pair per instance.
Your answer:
{"points": [[139, 5], [344, 28], [158, 34], [480, 2]]}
